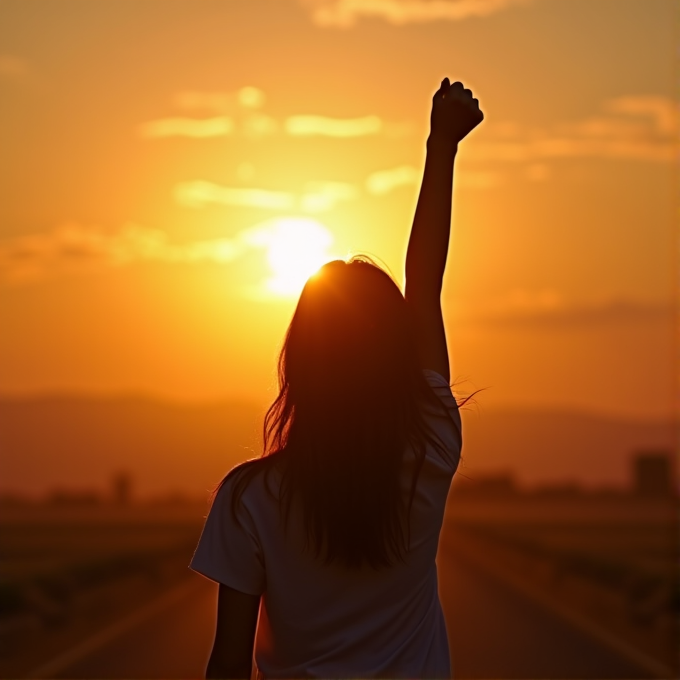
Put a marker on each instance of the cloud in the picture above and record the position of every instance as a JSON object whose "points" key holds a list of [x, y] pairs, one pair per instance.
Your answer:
{"points": [[317, 197], [547, 309], [322, 196], [199, 193], [254, 125], [250, 97], [74, 247], [662, 110], [384, 181], [187, 127], [571, 147], [259, 125], [241, 103], [244, 118], [294, 248], [333, 127], [247, 97], [631, 127], [12, 66], [344, 13]]}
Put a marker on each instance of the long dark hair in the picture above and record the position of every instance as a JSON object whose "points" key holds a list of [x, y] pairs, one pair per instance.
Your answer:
{"points": [[350, 402]]}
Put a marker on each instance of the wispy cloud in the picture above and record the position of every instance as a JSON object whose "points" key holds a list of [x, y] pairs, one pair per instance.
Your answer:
{"points": [[12, 66], [384, 181], [344, 13], [548, 309], [245, 119], [251, 97], [199, 193], [187, 127], [322, 196], [640, 128], [259, 125], [240, 103], [333, 127], [294, 248], [75, 247], [662, 110], [316, 197], [570, 147], [247, 97]]}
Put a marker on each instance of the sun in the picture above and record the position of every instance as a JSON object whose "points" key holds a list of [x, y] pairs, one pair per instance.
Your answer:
{"points": [[296, 248]]}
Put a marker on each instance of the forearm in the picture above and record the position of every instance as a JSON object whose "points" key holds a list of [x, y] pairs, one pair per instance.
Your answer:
{"points": [[429, 241], [225, 669], [232, 652]]}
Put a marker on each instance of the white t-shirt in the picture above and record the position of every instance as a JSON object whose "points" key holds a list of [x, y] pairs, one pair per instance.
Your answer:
{"points": [[326, 621]]}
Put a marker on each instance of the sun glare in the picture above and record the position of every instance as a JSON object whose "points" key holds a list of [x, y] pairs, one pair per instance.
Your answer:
{"points": [[296, 248]]}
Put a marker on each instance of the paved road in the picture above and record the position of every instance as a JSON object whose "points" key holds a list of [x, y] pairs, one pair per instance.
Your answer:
{"points": [[495, 632]]}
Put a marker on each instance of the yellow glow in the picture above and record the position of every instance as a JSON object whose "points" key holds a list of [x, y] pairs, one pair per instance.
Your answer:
{"points": [[296, 248]]}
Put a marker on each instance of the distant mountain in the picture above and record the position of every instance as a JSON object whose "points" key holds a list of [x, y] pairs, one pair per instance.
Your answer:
{"points": [[77, 443], [80, 443], [559, 446]]}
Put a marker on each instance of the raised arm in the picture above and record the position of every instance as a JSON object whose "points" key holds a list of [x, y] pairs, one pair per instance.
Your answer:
{"points": [[454, 114]]}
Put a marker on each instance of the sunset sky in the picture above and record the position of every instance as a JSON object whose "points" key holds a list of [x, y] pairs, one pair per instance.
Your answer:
{"points": [[171, 170]]}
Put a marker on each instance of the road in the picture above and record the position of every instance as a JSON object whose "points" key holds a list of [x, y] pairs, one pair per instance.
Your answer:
{"points": [[495, 632]]}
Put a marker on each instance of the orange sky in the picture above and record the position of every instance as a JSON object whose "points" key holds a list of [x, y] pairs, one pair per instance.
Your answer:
{"points": [[151, 150]]}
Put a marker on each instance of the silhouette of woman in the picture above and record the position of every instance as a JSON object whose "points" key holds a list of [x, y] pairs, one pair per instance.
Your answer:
{"points": [[325, 546]]}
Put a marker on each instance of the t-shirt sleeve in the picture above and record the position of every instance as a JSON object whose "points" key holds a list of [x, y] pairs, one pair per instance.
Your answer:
{"points": [[228, 551], [446, 424]]}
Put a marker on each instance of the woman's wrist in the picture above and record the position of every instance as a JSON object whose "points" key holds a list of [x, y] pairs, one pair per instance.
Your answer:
{"points": [[441, 144]]}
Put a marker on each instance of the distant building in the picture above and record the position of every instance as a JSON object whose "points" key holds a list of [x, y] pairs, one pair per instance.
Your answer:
{"points": [[77, 497], [122, 488], [653, 474], [499, 484], [566, 489]]}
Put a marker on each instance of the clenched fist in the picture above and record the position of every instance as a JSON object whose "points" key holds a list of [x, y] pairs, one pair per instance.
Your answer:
{"points": [[454, 113]]}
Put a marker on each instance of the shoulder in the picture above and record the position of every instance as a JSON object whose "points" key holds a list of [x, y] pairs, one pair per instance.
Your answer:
{"points": [[441, 401], [230, 548], [246, 482], [442, 417], [441, 388]]}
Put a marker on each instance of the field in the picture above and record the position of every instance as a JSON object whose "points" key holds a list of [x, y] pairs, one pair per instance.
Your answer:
{"points": [[69, 571], [611, 561]]}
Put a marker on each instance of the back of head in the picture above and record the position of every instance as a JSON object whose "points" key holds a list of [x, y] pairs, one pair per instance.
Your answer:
{"points": [[349, 341], [351, 393]]}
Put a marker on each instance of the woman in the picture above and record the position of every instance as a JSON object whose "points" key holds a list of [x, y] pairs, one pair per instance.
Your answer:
{"points": [[331, 537]]}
